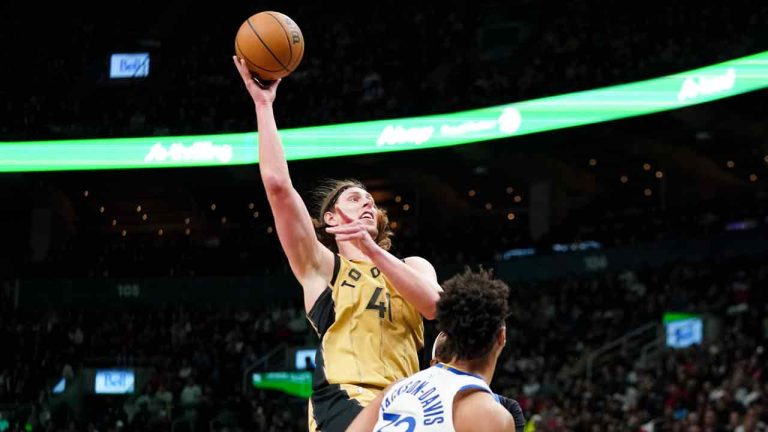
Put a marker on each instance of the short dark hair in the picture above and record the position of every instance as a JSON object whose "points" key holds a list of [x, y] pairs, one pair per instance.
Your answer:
{"points": [[471, 310], [326, 196]]}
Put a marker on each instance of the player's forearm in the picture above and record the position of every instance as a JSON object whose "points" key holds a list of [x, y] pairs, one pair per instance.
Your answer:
{"points": [[417, 289], [366, 419], [272, 163]]}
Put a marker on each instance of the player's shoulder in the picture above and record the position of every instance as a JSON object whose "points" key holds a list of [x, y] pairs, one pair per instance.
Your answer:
{"points": [[419, 264], [479, 410], [414, 259]]}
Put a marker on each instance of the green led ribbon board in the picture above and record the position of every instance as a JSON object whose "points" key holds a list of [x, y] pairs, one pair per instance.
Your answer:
{"points": [[574, 109], [292, 383]]}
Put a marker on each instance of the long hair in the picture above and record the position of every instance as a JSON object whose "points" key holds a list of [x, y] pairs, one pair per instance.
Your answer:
{"points": [[326, 196]]}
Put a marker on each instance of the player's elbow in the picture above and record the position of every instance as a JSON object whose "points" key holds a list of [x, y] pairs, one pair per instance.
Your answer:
{"points": [[429, 310], [275, 184]]}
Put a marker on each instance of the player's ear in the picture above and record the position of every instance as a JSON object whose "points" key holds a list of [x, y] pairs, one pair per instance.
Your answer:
{"points": [[330, 218], [502, 337]]}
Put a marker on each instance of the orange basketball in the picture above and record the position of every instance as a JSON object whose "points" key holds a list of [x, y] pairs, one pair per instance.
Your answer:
{"points": [[271, 44]]}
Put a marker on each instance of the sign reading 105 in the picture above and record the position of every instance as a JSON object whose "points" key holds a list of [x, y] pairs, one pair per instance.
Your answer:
{"points": [[128, 290]]}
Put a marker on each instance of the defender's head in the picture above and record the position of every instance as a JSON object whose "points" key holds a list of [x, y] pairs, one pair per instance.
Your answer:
{"points": [[471, 312]]}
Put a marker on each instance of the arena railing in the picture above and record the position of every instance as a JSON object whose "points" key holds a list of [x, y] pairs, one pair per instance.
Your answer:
{"points": [[632, 342]]}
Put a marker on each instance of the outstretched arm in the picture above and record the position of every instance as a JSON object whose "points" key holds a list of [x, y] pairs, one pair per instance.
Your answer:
{"points": [[414, 278], [311, 262]]}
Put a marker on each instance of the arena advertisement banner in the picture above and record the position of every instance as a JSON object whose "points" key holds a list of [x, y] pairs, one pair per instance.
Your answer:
{"points": [[574, 109]]}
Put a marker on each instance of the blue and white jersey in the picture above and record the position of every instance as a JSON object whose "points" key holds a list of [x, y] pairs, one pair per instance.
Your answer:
{"points": [[423, 402]]}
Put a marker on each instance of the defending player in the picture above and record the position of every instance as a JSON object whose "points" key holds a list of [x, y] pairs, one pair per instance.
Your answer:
{"points": [[365, 304], [440, 354], [452, 396]]}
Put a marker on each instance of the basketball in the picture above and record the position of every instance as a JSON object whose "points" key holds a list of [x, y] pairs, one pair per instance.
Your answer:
{"points": [[271, 44]]}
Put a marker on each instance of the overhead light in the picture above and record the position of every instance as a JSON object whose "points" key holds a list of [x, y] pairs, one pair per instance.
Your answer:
{"points": [[518, 198], [647, 166], [510, 216], [647, 192], [471, 192], [730, 164], [592, 162], [623, 179], [659, 174]]}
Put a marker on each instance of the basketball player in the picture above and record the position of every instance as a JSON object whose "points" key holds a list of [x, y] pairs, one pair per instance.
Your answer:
{"points": [[440, 354], [365, 304], [452, 396]]}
